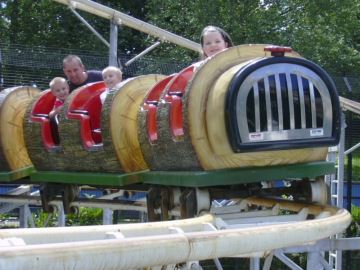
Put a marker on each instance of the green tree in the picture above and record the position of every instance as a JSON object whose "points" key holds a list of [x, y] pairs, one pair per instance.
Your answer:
{"points": [[50, 24], [323, 31], [326, 31]]}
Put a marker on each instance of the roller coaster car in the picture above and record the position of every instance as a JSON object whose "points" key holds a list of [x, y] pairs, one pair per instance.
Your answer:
{"points": [[251, 113], [245, 107], [258, 112], [248, 106]]}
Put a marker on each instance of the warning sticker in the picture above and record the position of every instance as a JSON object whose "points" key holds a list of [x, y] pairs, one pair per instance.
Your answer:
{"points": [[256, 136], [316, 132]]}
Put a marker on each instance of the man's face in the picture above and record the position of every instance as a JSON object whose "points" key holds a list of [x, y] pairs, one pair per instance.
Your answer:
{"points": [[75, 72]]}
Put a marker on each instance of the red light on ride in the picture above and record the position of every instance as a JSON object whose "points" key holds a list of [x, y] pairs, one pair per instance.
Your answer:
{"points": [[277, 50]]}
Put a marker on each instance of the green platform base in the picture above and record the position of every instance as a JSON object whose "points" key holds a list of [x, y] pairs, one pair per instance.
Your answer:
{"points": [[15, 175], [239, 176], [190, 178], [80, 178]]}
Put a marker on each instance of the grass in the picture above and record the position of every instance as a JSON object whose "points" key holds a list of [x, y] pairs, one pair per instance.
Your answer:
{"points": [[85, 216], [355, 213], [355, 167]]}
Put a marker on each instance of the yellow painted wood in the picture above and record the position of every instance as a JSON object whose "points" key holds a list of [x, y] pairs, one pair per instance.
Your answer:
{"points": [[12, 113], [215, 112], [123, 121]]}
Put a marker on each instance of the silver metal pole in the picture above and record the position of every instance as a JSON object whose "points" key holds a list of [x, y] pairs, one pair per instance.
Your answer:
{"points": [[254, 263], [23, 216], [1, 75], [113, 45], [90, 27], [107, 216], [340, 172], [143, 53], [352, 149]]}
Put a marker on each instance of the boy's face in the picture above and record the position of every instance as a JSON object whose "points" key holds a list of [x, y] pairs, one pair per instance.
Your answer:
{"points": [[60, 90], [111, 78]]}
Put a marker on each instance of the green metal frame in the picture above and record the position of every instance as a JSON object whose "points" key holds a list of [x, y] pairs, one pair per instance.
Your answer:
{"points": [[15, 175], [81, 178], [191, 178], [240, 176]]}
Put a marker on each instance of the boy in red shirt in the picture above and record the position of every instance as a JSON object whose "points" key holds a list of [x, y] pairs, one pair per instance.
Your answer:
{"points": [[60, 89]]}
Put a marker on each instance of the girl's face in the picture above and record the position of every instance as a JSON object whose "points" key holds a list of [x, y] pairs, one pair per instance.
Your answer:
{"points": [[60, 90], [213, 43]]}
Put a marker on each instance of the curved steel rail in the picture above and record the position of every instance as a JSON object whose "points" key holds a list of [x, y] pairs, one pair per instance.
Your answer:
{"points": [[121, 18], [129, 246], [350, 105]]}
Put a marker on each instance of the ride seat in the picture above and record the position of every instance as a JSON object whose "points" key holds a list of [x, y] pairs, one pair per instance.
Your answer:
{"points": [[175, 92], [40, 114], [86, 107], [150, 105]]}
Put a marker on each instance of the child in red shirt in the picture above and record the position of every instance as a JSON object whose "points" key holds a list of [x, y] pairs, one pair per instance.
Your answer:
{"points": [[60, 89]]}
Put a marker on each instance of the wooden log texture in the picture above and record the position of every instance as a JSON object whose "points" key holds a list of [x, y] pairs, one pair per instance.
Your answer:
{"points": [[13, 104], [204, 115], [100, 158], [124, 121], [167, 152], [180, 153], [42, 159]]}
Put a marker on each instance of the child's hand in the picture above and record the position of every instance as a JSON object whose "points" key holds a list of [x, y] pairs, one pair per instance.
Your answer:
{"points": [[54, 112], [57, 110]]}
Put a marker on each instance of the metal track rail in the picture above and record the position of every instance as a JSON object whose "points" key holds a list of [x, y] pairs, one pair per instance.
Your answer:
{"points": [[350, 105], [121, 18], [237, 230]]}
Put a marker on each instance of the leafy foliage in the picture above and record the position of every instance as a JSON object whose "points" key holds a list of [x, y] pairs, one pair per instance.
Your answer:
{"points": [[85, 216], [354, 228], [325, 31], [51, 24], [42, 219]]}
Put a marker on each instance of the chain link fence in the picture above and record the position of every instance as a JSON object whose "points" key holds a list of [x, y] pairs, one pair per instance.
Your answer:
{"points": [[36, 66]]}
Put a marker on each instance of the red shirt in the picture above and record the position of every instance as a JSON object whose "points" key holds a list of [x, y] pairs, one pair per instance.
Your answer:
{"points": [[58, 103]]}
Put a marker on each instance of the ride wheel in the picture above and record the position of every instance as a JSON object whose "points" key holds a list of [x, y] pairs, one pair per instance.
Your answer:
{"points": [[13, 104]]}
